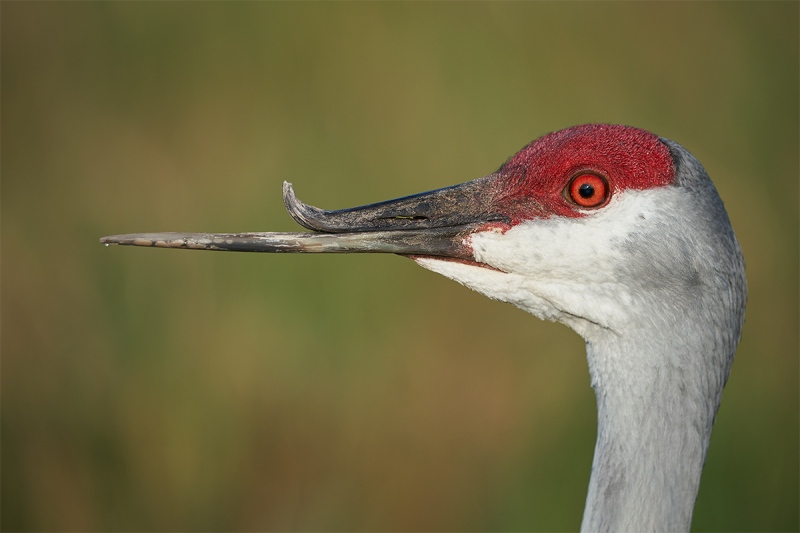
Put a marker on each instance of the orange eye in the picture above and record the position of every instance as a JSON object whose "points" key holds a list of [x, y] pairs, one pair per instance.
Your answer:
{"points": [[588, 190]]}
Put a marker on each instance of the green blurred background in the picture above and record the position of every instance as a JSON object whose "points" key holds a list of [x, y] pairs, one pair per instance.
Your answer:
{"points": [[168, 390]]}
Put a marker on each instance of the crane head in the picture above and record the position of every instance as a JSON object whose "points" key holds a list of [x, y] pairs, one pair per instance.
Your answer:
{"points": [[585, 226]]}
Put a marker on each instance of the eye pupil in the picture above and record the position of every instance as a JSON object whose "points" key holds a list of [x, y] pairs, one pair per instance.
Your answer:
{"points": [[586, 191]]}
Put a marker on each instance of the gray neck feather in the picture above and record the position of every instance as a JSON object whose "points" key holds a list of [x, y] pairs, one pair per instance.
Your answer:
{"points": [[659, 383], [654, 425]]}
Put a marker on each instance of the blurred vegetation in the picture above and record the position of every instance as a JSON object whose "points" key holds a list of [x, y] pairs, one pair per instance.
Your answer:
{"points": [[161, 390]]}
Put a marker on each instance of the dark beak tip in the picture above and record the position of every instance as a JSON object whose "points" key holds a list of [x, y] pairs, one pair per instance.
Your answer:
{"points": [[289, 197], [301, 213]]}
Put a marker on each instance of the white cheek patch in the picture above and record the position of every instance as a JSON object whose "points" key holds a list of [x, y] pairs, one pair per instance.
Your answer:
{"points": [[564, 269], [502, 286]]}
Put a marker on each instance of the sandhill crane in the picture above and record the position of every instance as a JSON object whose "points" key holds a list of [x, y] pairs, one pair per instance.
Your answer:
{"points": [[609, 229]]}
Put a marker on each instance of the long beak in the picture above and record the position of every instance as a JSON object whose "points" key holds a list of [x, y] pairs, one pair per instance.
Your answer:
{"points": [[431, 223]]}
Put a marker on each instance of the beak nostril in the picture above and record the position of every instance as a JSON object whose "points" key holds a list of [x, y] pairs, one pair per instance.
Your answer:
{"points": [[404, 217]]}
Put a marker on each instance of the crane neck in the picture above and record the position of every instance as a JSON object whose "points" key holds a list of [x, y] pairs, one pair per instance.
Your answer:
{"points": [[656, 408]]}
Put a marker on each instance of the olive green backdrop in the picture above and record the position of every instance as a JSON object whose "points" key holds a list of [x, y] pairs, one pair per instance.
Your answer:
{"points": [[161, 390]]}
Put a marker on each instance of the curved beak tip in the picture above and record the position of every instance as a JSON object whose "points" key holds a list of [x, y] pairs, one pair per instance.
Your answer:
{"points": [[309, 217]]}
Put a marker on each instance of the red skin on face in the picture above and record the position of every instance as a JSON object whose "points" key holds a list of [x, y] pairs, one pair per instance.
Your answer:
{"points": [[531, 184]]}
